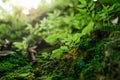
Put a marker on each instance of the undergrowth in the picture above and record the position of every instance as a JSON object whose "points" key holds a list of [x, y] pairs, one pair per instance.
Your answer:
{"points": [[78, 42]]}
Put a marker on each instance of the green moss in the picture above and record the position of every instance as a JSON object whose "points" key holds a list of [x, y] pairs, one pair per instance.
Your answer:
{"points": [[22, 73], [11, 63], [7, 66]]}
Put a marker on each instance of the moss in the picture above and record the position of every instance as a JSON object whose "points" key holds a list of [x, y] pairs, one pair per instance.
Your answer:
{"points": [[22, 73], [11, 63], [7, 66]]}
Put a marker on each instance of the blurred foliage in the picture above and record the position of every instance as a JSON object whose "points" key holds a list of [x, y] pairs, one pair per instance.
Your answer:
{"points": [[81, 29]]}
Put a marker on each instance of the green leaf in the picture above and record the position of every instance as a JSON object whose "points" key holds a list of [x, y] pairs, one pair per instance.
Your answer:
{"points": [[76, 37], [92, 7], [52, 38], [88, 28], [81, 6], [83, 2], [19, 45], [24, 74], [45, 54], [64, 48], [93, 14], [82, 10], [90, 3], [56, 53]]}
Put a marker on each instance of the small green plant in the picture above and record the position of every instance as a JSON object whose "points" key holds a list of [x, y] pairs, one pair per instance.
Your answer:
{"points": [[86, 19]]}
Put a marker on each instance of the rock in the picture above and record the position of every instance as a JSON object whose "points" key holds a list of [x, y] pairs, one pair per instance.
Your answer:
{"points": [[6, 53]]}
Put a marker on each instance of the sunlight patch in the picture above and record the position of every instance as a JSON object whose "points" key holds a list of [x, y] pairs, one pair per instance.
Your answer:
{"points": [[25, 11], [28, 4], [48, 1], [7, 7]]}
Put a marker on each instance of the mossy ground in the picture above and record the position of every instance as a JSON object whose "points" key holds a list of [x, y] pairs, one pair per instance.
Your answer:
{"points": [[89, 63]]}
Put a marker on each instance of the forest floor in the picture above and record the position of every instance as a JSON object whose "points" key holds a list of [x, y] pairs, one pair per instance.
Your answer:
{"points": [[96, 58]]}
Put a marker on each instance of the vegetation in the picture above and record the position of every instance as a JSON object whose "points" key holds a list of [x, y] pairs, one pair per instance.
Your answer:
{"points": [[74, 40]]}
